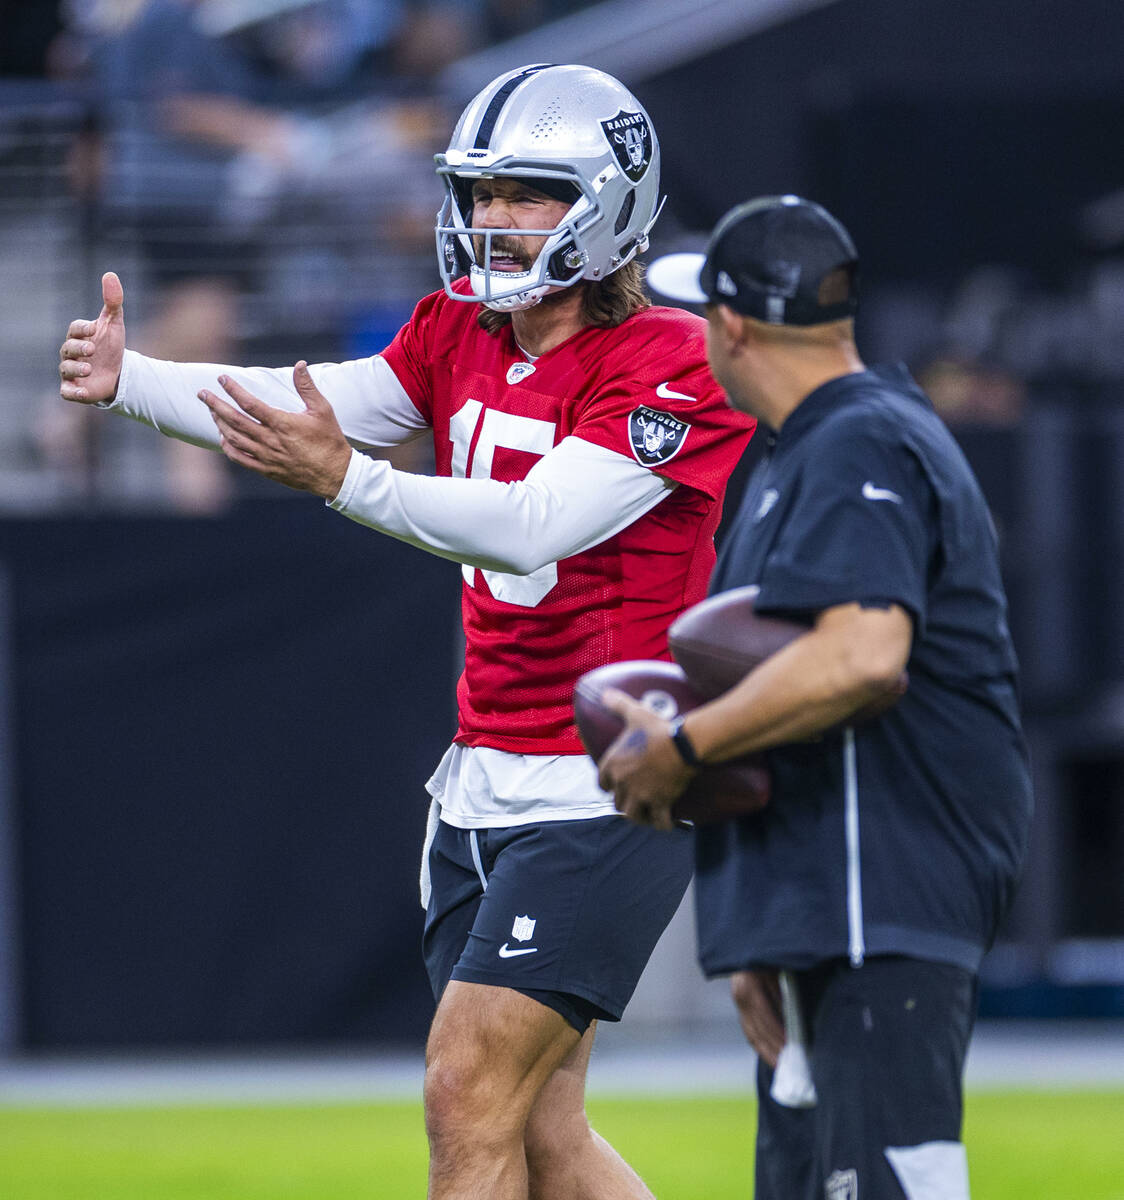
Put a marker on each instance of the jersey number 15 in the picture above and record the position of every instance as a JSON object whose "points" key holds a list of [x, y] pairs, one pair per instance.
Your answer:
{"points": [[512, 432]]}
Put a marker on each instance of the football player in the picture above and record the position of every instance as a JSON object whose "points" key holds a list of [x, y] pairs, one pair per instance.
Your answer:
{"points": [[582, 451]]}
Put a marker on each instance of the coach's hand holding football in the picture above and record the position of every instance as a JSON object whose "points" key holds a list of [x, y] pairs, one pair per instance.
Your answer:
{"points": [[850, 658], [90, 358]]}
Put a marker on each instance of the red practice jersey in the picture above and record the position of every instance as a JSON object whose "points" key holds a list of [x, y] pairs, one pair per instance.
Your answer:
{"points": [[643, 390]]}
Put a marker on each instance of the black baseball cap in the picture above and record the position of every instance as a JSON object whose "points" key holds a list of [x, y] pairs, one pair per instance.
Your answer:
{"points": [[781, 259]]}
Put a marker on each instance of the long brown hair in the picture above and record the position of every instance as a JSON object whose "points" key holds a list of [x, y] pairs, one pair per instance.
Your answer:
{"points": [[605, 302]]}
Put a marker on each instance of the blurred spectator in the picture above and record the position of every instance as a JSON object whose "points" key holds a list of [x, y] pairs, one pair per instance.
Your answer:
{"points": [[967, 392], [255, 146], [505, 19]]}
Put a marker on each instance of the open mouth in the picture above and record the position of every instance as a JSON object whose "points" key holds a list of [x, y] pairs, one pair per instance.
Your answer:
{"points": [[509, 263], [505, 257]]}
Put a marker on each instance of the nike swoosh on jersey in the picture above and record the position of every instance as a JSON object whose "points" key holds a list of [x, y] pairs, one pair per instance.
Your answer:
{"points": [[870, 492], [665, 393], [506, 953]]}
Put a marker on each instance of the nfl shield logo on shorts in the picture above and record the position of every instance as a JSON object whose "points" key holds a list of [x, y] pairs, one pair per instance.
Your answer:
{"points": [[842, 1185], [655, 437], [523, 929]]}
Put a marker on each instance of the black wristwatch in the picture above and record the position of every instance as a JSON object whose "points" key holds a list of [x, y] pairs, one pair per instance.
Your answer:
{"points": [[682, 743]]}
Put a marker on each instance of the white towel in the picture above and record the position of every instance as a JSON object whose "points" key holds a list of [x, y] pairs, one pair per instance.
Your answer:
{"points": [[792, 1079]]}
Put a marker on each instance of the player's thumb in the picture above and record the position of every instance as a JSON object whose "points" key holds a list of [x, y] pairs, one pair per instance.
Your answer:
{"points": [[306, 389], [112, 294]]}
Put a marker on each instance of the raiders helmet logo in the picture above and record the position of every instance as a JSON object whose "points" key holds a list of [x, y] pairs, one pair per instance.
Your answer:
{"points": [[630, 137], [655, 437]]}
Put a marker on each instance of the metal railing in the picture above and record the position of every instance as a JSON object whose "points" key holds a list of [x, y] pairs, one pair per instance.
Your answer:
{"points": [[320, 260]]}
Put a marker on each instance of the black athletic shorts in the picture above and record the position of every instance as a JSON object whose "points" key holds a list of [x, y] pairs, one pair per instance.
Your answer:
{"points": [[887, 1043], [567, 912]]}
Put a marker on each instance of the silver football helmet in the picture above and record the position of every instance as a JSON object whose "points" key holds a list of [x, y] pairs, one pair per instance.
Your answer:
{"points": [[571, 131]]}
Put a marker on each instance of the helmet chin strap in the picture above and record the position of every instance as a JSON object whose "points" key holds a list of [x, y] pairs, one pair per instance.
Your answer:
{"points": [[513, 303]]}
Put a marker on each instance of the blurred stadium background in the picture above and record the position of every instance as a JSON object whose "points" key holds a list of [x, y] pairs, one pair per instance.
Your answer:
{"points": [[219, 702]]}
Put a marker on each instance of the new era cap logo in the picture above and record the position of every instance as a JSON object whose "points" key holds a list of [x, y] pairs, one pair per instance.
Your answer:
{"points": [[725, 284]]}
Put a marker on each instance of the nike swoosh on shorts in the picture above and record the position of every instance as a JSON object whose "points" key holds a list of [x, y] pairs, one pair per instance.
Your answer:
{"points": [[506, 953]]}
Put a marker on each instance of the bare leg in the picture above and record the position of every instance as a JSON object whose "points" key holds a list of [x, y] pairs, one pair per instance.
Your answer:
{"points": [[566, 1159], [491, 1051]]}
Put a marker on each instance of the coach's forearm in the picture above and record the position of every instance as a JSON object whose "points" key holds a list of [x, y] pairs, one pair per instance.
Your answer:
{"points": [[849, 659]]}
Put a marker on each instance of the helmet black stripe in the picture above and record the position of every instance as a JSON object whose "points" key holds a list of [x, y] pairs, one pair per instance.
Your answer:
{"points": [[492, 113]]}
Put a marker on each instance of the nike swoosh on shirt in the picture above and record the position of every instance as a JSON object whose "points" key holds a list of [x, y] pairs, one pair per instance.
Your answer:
{"points": [[870, 492], [665, 393], [506, 953]]}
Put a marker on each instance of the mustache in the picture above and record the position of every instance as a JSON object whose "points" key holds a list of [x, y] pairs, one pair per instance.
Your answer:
{"points": [[506, 246]]}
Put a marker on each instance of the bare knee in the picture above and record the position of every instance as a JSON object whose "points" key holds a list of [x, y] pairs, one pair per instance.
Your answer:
{"points": [[460, 1104], [489, 1055]]}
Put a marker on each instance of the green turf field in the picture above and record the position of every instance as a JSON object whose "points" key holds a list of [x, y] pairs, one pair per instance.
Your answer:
{"points": [[1067, 1146]]}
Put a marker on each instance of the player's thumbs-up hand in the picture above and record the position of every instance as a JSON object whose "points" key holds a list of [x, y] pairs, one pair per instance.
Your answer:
{"points": [[90, 358]]}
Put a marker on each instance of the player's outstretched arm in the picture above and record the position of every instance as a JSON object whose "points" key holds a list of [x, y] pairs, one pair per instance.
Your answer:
{"points": [[90, 358], [371, 405]]}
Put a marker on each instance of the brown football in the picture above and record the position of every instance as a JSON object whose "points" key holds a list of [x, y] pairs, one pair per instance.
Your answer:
{"points": [[720, 640], [717, 792]]}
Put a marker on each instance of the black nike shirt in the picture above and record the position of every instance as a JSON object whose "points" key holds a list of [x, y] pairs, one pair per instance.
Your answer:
{"points": [[903, 835]]}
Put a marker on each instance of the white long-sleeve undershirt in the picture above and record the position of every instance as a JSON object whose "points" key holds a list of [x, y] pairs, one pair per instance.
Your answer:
{"points": [[576, 496], [370, 404]]}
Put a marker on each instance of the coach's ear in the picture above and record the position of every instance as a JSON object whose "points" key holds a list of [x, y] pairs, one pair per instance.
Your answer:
{"points": [[729, 326]]}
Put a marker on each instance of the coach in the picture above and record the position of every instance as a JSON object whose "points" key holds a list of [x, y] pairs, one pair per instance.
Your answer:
{"points": [[867, 892]]}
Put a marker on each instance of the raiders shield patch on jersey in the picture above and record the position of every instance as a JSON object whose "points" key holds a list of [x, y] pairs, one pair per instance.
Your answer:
{"points": [[630, 137], [655, 437]]}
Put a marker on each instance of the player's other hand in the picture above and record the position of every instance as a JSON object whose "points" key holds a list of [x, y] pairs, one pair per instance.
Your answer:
{"points": [[303, 450], [90, 358]]}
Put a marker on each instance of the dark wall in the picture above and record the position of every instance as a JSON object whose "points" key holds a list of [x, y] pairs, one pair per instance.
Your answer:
{"points": [[943, 134], [222, 732], [26, 30]]}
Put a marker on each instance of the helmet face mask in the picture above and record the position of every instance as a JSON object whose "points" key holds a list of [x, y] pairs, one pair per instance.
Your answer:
{"points": [[558, 125]]}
